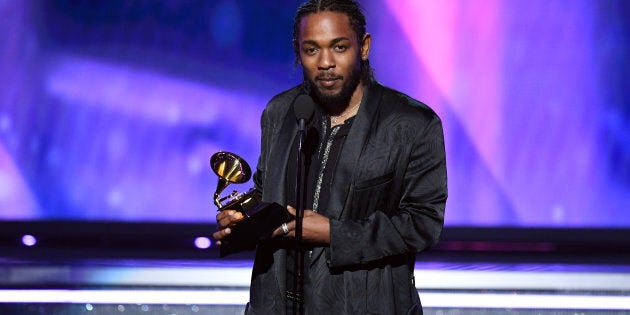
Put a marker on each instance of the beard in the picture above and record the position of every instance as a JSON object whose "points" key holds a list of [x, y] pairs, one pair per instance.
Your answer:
{"points": [[335, 104]]}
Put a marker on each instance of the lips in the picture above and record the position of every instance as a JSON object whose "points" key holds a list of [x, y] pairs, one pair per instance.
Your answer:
{"points": [[328, 81]]}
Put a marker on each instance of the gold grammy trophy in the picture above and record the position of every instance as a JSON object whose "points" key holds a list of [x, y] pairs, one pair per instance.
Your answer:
{"points": [[260, 218]]}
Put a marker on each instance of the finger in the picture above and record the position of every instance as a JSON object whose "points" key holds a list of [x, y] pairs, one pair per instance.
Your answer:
{"points": [[277, 231], [229, 213], [234, 218], [224, 213], [307, 213], [280, 231], [225, 222], [229, 220], [222, 216], [219, 235]]}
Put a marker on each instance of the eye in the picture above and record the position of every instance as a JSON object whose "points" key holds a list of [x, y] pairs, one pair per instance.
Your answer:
{"points": [[341, 48], [310, 51]]}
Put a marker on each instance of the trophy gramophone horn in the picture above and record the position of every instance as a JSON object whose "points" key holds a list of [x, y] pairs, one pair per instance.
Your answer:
{"points": [[230, 168]]}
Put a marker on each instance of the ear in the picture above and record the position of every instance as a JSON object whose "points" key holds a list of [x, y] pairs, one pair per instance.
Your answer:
{"points": [[365, 46]]}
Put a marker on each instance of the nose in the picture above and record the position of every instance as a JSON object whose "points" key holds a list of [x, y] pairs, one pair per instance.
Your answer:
{"points": [[326, 60]]}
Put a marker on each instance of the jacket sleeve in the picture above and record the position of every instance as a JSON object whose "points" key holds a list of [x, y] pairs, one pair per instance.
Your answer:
{"points": [[415, 225], [261, 166]]}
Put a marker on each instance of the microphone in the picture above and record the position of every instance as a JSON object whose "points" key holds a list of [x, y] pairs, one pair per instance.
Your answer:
{"points": [[303, 108]]}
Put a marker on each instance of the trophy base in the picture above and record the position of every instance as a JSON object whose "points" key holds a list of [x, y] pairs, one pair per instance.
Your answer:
{"points": [[257, 225]]}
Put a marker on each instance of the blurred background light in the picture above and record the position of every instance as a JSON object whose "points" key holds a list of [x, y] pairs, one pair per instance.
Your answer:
{"points": [[29, 240], [110, 110], [202, 242]]}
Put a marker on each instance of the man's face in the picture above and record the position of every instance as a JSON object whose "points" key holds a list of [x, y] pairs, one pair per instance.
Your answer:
{"points": [[330, 56]]}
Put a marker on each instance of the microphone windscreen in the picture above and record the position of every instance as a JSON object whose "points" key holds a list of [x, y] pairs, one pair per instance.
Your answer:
{"points": [[303, 107]]}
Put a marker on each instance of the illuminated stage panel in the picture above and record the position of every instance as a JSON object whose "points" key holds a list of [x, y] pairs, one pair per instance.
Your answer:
{"points": [[222, 297], [221, 287]]}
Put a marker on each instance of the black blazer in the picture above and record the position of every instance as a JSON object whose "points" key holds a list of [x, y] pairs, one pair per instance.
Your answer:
{"points": [[387, 203]]}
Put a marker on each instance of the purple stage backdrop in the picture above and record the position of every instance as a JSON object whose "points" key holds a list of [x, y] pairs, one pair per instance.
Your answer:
{"points": [[110, 110]]}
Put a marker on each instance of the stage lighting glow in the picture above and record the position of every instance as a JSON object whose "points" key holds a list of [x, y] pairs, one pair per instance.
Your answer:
{"points": [[202, 242], [29, 240], [240, 297]]}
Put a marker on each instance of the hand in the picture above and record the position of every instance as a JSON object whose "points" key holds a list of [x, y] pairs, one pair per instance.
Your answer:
{"points": [[315, 227], [225, 219]]}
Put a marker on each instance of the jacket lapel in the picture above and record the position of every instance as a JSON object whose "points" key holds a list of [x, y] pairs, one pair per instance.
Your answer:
{"points": [[349, 158]]}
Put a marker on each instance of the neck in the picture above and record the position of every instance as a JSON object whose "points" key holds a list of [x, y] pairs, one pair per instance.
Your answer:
{"points": [[355, 100], [351, 109]]}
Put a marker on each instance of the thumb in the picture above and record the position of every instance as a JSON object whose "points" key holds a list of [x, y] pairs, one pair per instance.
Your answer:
{"points": [[291, 210]]}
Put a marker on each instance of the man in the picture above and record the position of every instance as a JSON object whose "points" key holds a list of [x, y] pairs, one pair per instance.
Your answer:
{"points": [[376, 178]]}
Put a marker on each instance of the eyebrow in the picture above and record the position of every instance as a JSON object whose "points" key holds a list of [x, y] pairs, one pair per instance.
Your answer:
{"points": [[332, 42]]}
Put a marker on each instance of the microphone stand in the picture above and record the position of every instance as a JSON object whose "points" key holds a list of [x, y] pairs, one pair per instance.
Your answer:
{"points": [[303, 108], [298, 280]]}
